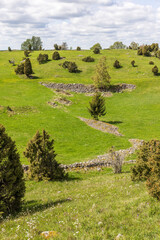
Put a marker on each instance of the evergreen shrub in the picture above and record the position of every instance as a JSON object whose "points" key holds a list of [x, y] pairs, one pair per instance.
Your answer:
{"points": [[12, 185]]}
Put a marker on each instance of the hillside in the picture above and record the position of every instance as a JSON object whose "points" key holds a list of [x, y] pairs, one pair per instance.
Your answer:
{"points": [[135, 113], [91, 204]]}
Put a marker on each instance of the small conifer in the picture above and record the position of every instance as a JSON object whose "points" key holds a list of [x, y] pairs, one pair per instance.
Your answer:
{"points": [[41, 155], [12, 186], [101, 78], [97, 106], [27, 67], [56, 56]]}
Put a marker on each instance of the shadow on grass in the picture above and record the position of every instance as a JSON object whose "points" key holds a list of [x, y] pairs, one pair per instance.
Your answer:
{"points": [[33, 77], [33, 206], [113, 122]]}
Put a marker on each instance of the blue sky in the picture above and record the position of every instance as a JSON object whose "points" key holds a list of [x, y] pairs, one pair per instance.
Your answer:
{"points": [[79, 23]]}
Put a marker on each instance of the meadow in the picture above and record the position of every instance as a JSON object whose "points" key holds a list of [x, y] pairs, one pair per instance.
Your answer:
{"points": [[93, 204], [136, 113]]}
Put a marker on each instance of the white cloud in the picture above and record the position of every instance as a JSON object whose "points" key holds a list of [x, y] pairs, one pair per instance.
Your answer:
{"points": [[81, 22]]}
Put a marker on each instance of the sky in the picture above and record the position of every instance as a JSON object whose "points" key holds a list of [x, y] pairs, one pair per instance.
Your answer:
{"points": [[79, 23]]}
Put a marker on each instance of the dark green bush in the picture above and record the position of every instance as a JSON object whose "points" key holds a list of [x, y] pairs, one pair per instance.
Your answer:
{"points": [[147, 167], [56, 56], [96, 50], [26, 53], [27, 67], [116, 64], [12, 186], [72, 67], [139, 52], [151, 63], [155, 70], [41, 155], [141, 170], [97, 106], [42, 58], [132, 63], [88, 59], [65, 64], [20, 69]]}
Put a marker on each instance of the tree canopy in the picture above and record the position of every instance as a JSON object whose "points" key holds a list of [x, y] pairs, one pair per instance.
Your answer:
{"points": [[34, 43], [118, 45]]}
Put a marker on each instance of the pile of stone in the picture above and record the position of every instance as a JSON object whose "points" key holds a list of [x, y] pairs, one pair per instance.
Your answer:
{"points": [[81, 88]]}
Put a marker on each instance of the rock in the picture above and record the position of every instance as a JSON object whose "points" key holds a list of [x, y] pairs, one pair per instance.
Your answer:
{"points": [[120, 237], [49, 234]]}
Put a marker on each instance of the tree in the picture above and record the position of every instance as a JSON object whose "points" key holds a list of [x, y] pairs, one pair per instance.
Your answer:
{"points": [[97, 45], [56, 56], [12, 185], [27, 67], [78, 49], [34, 43], [56, 47], [64, 46], [147, 167], [155, 70], [9, 49], [96, 50], [101, 78], [118, 45], [134, 46], [97, 106], [41, 155]]}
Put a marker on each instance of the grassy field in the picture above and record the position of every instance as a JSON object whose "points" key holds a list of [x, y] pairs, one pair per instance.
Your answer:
{"points": [[135, 113], [94, 204], [91, 205]]}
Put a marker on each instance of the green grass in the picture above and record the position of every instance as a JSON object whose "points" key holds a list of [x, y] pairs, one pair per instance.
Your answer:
{"points": [[92, 205], [138, 111]]}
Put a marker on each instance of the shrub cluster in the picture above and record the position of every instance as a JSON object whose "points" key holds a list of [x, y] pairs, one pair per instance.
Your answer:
{"points": [[88, 59], [147, 167], [42, 58], [151, 62], [24, 68], [56, 56], [71, 66], [148, 50]]}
